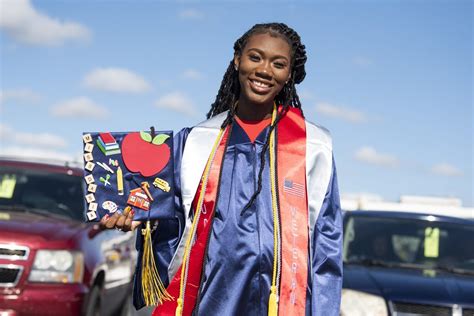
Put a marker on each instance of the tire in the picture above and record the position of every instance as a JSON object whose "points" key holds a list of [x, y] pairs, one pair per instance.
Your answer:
{"points": [[127, 307], [93, 304]]}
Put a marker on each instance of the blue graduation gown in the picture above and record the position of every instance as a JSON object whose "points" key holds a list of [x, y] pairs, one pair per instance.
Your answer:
{"points": [[238, 266]]}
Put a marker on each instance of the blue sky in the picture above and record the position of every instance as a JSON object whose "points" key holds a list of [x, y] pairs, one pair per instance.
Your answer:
{"points": [[391, 80]]}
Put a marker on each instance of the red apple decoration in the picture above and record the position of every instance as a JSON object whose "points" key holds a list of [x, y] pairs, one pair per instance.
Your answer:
{"points": [[145, 153]]}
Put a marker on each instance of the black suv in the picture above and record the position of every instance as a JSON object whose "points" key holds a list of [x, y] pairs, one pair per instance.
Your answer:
{"points": [[401, 263]]}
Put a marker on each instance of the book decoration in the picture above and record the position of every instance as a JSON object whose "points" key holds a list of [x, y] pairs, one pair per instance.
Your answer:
{"points": [[107, 144], [132, 170]]}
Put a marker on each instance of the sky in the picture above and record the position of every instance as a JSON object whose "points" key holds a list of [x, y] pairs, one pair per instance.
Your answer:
{"points": [[391, 80]]}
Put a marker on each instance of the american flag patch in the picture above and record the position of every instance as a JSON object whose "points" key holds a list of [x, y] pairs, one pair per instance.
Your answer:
{"points": [[293, 188]]}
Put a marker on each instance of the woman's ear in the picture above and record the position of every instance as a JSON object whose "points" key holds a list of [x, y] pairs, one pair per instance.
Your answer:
{"points": [[236, 62]]}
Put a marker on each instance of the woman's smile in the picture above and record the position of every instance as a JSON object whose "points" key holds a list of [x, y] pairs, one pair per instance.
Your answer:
{"points": [[260, 87]]}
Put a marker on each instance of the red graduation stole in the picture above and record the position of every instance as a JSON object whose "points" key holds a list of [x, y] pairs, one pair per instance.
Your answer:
{"points": [[292, 244]]}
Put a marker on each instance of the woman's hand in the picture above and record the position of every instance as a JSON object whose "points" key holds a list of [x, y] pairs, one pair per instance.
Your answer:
{"points": [[123, 222]]}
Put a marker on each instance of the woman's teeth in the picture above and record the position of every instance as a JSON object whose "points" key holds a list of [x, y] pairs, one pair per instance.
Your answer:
{"points": [[260, 84]]}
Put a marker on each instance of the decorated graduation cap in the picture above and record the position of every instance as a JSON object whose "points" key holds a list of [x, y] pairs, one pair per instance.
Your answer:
{"points": [[126, 171]]}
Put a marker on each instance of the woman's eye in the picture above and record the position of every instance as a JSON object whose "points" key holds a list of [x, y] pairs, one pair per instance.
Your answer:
{"points": [[254, 58], [279, 65]]}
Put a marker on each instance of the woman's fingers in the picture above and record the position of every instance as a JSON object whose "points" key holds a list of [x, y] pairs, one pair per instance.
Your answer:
{"points": [[135, 224], [128, 221], [111, 221], [103, 221], [121, 220]]}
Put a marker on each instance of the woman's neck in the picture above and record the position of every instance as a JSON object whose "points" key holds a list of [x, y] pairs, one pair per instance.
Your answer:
{"points": [[254, 112]]}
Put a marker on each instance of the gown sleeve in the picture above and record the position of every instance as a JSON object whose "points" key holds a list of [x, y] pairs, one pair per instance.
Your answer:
{"points": [[327, 250], [168, 233]]}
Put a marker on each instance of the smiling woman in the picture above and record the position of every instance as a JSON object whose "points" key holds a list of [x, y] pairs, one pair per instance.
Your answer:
{"points": [[264, 68], [258, 222]]}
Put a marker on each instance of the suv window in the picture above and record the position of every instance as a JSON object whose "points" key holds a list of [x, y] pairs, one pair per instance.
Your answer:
{"points": [[409, 243], [42, 191]]}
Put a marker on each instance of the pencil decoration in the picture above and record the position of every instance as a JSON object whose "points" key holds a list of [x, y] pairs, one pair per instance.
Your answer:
{"points": [[119, 181]]}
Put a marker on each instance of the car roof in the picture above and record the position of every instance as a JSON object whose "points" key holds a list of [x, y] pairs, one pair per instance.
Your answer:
{"points": [[54, 166], [411, 215]]}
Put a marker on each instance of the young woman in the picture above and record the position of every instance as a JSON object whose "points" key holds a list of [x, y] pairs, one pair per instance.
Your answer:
{"points": [[258, 228]]}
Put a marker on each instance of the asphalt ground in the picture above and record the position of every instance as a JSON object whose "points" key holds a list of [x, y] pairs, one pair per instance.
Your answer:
{"points": [[145, 311]]}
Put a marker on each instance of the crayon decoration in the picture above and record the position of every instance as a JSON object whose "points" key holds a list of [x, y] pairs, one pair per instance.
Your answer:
{"points": [[107, 144]]}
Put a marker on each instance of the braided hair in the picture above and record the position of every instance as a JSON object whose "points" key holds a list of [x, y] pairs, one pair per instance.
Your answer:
{"points": [[229, 90]]}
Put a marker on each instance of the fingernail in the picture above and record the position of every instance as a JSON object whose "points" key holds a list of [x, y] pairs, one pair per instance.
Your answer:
{"points": [[132, 212], [106, 216]]}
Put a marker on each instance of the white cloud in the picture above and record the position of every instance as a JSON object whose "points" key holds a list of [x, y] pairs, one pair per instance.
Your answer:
{"points": [[363, 62], [27, 25], [43, 140], [370, 155], [340, 112], [445, 169], [40, 140], [36, 153], [193, 74], [5, 131], [116, 80], [20, 95], [79, 107], [191, 14], [178, 102], [367, 196], [306, 95]]}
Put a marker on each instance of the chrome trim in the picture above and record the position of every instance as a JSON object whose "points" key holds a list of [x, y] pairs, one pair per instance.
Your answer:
{"points": [[12, 267], [457, 310], [391, 309], [15, 247]]}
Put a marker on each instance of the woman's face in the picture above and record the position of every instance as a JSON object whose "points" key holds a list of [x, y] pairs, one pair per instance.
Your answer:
{"points": [[264, 68]]}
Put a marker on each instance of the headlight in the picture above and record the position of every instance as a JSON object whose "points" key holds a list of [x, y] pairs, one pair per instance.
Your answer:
{"points": [[57, 266], [356, 303]]}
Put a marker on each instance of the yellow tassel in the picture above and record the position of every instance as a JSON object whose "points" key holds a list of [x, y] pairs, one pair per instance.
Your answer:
{"points": [[179, 308], [154, 292], [273, 302]]}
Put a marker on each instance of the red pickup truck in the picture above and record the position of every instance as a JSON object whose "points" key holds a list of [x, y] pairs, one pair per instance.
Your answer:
{"points": [[51, 261]]}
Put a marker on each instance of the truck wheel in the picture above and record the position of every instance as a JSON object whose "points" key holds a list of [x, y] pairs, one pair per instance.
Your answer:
{"points": [[127, 307], [93, 306]]}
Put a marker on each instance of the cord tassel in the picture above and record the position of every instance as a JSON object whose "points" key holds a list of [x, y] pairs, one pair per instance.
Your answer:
{"points": [[154, 292], [273, 302]]}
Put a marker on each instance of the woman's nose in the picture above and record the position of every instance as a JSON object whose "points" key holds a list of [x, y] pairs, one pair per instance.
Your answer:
{"points": [[264, 70]]}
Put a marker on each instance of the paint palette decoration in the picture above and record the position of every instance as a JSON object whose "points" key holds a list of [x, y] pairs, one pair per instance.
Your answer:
{"points": [[129, 169]]}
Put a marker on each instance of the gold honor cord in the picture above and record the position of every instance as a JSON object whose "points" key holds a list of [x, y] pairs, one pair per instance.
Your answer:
{"points": [[187, 249], [273, 299]]}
